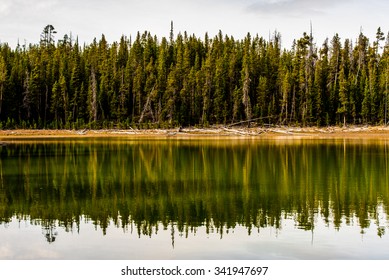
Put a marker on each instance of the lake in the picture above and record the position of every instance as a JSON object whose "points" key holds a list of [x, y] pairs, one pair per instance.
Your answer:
{"points": [[119, 198]]}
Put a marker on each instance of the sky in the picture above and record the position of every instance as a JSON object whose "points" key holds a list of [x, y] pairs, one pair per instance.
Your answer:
{"points": [[24, 20]]}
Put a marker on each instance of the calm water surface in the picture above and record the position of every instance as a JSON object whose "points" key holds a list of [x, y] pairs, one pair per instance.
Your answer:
{"points": [[110, 198]]}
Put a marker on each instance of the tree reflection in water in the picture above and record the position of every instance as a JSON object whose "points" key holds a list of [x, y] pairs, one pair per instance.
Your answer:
{"points": [[187, 184], [49, 230]]}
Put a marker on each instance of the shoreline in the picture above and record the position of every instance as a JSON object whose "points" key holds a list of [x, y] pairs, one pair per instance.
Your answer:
{"points": [[281, 132]]}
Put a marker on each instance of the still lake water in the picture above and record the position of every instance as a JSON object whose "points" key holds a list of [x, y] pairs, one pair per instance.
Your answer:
{"points": [[118, 198]]}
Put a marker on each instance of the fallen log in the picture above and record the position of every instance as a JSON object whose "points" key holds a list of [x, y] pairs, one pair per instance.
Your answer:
{"points": [[249, 121]]}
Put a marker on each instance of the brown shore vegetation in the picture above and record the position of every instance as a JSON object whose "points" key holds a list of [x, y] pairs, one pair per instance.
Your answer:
{"points": [[276, 132]]}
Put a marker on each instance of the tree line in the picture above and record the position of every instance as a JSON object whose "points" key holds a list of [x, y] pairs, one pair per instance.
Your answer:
{"points": [[184, 80]]}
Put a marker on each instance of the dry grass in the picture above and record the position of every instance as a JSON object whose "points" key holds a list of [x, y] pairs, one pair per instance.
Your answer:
{"points": [[350, 132]]}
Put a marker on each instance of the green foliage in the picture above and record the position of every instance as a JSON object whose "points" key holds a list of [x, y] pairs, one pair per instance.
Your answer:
{"points": [[187, 81]]}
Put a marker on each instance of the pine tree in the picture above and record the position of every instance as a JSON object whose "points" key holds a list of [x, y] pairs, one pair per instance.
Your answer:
{"points": [[56, 105], [366, 103], [3, 78], [63, 91], [47, 36], [343, 96], [334, 67], [220, 82], [246, 78], [207, 89], [385, 75]]}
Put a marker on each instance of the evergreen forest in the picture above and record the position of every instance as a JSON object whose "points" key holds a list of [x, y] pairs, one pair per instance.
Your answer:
{"points": [[184, 80]]}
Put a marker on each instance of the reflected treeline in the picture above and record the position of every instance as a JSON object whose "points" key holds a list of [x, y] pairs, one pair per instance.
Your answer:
{"points": [[141, 185]]}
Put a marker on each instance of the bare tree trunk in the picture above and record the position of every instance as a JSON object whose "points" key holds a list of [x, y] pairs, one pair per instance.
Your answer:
{"points": [[122, 97], [147, 107], [3, 74], [26, 95], [293, 111], [246, 98], [1, 97], [46, 103], [386, 95], [94, 95], [75, 105]]}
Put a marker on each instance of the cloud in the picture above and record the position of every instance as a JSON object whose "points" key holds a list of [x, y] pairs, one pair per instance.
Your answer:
{"points": [[25, 8], [5, 7], [294, 8]]}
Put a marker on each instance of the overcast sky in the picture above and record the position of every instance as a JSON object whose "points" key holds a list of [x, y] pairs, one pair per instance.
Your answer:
{"points": [[88, 19]]}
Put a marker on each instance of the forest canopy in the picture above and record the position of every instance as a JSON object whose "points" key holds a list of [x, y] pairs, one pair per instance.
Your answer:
{"points": [[187, 81]]}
